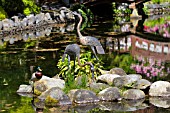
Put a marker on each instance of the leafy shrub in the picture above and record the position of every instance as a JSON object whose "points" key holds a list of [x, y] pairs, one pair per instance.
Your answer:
{"points": [[30, 7], [3, 14]]}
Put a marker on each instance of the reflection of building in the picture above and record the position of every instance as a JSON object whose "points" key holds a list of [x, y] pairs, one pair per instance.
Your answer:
{"points": [[122, 44], [148, 48]]}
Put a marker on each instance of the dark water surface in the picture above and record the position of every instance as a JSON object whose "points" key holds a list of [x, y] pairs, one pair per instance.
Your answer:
{"points": [[146, 50]]}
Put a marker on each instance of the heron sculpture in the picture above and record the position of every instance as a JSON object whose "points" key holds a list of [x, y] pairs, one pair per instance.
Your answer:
{"points": [[89, 40], [74, 50]]}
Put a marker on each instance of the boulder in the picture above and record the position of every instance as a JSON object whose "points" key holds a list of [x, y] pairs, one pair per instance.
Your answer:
{"points": [[142, 84], [160, 88], [127, 81], [118, 71], [46, 83], [133, 94], [25, 89], [55, 96], [82, 96], [109, 94], [97, 87], [107, 78]]}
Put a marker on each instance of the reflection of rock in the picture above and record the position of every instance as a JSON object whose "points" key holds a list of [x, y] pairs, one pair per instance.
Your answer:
{"points": [[38, 103], [36, 33], [110, 106], [121, 106], [134, 102], [160, 88], [160, 102], [85, 108]]}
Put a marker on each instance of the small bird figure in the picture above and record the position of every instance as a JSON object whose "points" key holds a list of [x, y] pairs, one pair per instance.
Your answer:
{"points": [[89, 40], [74, 50], [37, 75]]}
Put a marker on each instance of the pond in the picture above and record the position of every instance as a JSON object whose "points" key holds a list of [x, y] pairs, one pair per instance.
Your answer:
{"points": [[137, 46]]}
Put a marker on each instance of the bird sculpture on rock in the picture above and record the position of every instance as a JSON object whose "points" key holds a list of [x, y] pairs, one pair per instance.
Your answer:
{"points": [[74, 50], [37, 75], [89, 40]]}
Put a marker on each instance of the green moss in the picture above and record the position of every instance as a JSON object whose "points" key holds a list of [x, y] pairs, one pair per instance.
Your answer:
{"points": [[50, 101], [36, 92]]}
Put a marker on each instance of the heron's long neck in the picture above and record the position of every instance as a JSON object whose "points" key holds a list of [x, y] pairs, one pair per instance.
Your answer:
{"points": [[78, 27]]}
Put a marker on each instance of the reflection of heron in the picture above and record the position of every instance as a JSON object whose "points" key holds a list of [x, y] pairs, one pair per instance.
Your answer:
{"points": [[89, 40], [74, 50]]}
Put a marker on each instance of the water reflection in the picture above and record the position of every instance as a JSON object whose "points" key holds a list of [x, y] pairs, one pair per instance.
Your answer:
{"points": [[34, 34], [150, 58], [158, 24]]}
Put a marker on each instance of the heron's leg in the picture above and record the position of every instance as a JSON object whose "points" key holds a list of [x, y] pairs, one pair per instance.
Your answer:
{"points": [[68, 62], [92, 47], [74, 62]]}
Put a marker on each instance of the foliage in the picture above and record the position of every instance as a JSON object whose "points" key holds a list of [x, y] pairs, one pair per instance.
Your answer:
{"points": [[12, 7], [30, 7], [159, 21], [120, 10], [77, 71], [145, 9], [86, 14], [3, 14], [29, 43], [123, 61]]}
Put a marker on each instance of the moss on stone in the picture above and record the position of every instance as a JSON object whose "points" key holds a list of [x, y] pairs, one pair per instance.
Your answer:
{"points": [[36, 92], [50, 101]]}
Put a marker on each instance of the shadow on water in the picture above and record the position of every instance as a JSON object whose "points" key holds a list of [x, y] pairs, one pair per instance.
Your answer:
{"points": [[137, 46]]}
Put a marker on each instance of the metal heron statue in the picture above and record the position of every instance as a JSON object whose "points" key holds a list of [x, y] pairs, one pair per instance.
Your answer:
{"points": [[89, 40], [74, 50]]}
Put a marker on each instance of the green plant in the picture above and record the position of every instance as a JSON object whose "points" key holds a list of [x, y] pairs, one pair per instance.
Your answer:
{"points": [[86, 14], [77, 71], [3, 14], [30, 7]]}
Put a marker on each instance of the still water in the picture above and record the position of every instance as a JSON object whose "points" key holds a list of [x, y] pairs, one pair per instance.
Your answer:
{"points": [[137, 46]]}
